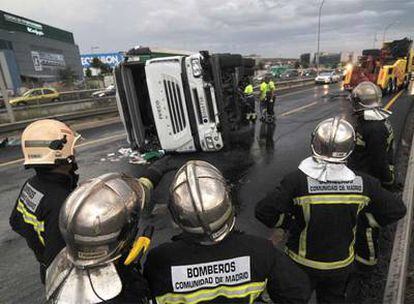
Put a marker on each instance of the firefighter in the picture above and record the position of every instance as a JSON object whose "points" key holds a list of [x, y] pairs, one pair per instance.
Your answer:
{"points": [[48, 148], [99, 223], [271, 101], [250, 103], [211, 262], [319, 203], [373, 154], [263, 97]]}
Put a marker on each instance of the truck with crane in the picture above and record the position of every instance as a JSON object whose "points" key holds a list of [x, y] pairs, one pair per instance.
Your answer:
{"points": [[389, 67]]}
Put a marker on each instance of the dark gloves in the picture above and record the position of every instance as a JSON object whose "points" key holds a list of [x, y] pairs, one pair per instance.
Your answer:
{"points": [[159, 168]]}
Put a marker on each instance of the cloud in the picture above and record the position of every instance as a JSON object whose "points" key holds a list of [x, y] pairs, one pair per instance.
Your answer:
{"points": [[267, 27]]}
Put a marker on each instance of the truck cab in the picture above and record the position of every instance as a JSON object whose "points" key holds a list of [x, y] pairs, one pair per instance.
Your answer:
{"points": [[181, 103]]}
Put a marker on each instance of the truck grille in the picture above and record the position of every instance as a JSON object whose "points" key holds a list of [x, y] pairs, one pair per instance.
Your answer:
{"points": [[175, 105]]}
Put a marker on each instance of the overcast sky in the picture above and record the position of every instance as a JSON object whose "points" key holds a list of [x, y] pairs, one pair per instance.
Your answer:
{"points": [[268, 27]]}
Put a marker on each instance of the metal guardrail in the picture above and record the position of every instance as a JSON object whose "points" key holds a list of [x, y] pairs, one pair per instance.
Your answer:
{"points": [[397, 272], [283, 85], [20, 125], [55, 104], [67, 96]]}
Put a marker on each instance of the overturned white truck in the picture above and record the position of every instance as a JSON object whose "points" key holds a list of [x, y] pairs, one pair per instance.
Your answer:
{"points": [[181, 103]]}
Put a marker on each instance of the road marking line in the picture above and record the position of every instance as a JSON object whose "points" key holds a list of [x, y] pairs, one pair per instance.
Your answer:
{"points": [[298, 109], [393, 100], [92, 142], [96, 141]]}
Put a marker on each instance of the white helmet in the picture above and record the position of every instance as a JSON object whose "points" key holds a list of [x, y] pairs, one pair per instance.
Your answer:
{"points": [[48, 142]]}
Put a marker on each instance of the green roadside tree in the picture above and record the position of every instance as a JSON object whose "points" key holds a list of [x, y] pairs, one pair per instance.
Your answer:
{"points": [[67, 76], [88, 73]]}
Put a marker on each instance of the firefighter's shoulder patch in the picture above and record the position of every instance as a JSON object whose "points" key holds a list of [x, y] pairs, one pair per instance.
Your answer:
{"points": [[31, 197]]}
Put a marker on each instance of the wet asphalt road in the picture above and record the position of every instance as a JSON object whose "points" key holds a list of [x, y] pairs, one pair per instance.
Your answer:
{"points": [[253, 169]]}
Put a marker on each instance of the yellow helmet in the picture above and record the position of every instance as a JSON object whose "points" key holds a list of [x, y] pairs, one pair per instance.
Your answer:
{"points": [[48, 142]]}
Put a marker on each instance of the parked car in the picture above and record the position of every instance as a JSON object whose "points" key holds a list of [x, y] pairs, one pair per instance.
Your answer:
{"points": [[327, 77], [289, 74], [109, 91], [35, 96], [308, 73], [258, 79]]}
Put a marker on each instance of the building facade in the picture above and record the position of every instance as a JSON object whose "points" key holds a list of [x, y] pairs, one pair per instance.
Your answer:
{"points": [[34, 52]]}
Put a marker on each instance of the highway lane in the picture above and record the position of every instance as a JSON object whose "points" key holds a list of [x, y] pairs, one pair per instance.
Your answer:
{"points": [[253, 169]]}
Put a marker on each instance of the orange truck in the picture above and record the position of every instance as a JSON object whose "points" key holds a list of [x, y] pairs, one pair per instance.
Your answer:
{"points": [[389, 67]]}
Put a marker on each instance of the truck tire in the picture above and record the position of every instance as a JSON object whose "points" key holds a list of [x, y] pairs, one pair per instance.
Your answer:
{"points": [[406, 82], [228, 61], [248, 72], [249, 62], [388, 90]]}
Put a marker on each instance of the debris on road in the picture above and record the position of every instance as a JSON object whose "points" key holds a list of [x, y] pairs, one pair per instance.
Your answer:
{"points": [[133, 156]]}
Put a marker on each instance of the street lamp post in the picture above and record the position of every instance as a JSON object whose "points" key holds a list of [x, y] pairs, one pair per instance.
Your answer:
{"points": [[386, 29], [319, 36]]}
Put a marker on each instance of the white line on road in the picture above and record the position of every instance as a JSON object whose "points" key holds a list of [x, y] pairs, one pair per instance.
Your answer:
{"points": [[298, 109], [85, 144]]}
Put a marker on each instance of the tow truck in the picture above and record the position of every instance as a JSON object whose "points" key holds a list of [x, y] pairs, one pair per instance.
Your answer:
{"points": [[389, 67], [180, 101]]}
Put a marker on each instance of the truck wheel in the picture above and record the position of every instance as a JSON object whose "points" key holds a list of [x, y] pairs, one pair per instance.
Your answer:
{"points": [[406, 82], [248, 63], [248, 72], [55, 100], [228, 61], [389, 88], [394, 85]]}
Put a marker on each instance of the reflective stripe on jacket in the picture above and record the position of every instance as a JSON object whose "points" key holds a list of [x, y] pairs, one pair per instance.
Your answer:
{"points": [[322, 217], [36, 213], [235, 270], [248, 90], [264, 87], [374, 152], [272, 86]]}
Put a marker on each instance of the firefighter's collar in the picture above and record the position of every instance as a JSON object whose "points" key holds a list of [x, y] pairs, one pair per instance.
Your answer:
{"points": [[326, 172], [376, 114]]}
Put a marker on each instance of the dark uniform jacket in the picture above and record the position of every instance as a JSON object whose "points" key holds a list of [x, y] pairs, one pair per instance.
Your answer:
{"points": [[324, 216], [374, 153], [36, 214], [235, 270]]}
